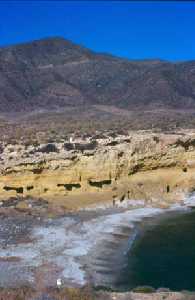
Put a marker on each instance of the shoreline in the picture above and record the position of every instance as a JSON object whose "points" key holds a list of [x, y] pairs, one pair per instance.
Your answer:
{"points": [[90, 236]]}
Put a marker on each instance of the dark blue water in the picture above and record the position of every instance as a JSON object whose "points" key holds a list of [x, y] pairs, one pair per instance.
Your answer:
{"points": [[163, 255]]}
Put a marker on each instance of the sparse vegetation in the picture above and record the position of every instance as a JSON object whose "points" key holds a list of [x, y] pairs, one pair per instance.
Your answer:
{"points": [[144, 289], [39, 128]]}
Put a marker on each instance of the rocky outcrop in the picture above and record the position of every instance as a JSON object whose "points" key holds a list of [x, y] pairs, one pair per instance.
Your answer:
{"points": [[149, 296], [87, 293], [141, 165]]}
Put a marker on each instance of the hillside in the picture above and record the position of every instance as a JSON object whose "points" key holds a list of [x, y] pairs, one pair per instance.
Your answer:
{"points": [[53, 73]]}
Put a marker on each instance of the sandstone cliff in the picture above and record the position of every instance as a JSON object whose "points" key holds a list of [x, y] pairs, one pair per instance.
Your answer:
{"points": [[158, 168]]}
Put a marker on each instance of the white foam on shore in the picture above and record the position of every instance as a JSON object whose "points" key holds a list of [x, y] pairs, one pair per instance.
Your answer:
{"points": [[126, 203], [190, 200], [67, 243]]}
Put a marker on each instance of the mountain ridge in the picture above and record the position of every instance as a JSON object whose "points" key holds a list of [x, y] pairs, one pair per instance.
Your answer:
{"points": [[56, 73]]}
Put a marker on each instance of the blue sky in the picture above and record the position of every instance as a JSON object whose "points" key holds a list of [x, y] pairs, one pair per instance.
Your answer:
{"points": [[134, 30]]}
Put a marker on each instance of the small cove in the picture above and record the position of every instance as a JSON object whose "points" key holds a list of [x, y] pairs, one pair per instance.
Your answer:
{"points": [[163, 254], [111, 248]]}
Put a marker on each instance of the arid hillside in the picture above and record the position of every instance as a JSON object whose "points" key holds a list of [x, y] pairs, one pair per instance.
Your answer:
{"points": [[51, 87], [53, 73]]}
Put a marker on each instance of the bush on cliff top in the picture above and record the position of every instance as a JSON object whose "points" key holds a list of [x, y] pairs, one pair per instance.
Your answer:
{"points": [[144, 289]]}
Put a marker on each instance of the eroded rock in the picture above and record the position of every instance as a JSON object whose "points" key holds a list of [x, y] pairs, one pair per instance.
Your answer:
{"points": [[140, 165]]}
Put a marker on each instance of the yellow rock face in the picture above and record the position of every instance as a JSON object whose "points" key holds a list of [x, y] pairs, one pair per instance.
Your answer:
{"points": [[158, 168]]}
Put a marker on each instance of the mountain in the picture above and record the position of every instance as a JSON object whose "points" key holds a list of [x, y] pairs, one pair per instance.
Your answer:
{"points": [[54, 73]]}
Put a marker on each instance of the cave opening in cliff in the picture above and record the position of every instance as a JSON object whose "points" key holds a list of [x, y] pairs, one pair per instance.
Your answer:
{"points": [[18, 190]]}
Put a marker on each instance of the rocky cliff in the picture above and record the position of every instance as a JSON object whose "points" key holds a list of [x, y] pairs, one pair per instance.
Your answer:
{"points": [[158, 168]]}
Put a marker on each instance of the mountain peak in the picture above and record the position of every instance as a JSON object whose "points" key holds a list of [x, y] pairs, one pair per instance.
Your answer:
{"points": [[54, 72]]}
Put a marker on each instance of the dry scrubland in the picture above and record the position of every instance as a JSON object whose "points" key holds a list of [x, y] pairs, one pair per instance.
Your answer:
{"points": [[43, 127]]}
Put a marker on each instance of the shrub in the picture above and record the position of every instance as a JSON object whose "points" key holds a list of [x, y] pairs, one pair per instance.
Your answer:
{"points": [[144, 289]]}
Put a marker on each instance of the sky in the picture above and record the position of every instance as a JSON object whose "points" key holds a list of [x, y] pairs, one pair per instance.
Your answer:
{"points": [[131, 29]]}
